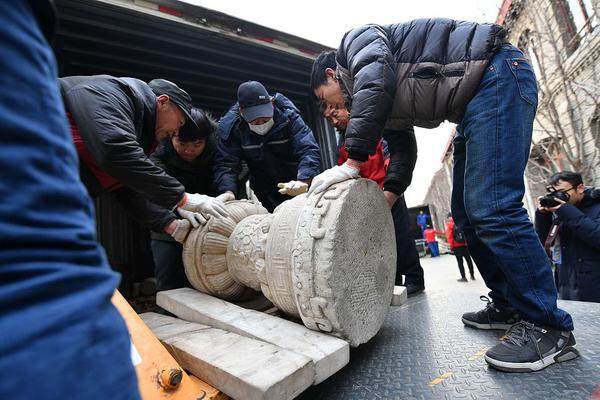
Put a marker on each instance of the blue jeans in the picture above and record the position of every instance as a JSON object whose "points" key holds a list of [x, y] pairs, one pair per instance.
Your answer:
{"points": [[60, 336], [434, 250], [491, 149]]}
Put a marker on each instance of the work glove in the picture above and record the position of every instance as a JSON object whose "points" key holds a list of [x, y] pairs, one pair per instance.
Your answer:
{"points": [[334, 175], [227, 196], [204, 204], [194, 218], [182, 230], [292, 188]]}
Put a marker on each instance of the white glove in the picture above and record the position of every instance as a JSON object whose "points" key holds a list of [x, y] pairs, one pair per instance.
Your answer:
{"points": [[292, 188], [194, 218], [205, 204], [181, 232], [334, 175], [227, 196]]}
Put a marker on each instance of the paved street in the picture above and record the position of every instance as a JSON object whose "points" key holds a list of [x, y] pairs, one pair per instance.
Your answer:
{"points": [[423, 351]]}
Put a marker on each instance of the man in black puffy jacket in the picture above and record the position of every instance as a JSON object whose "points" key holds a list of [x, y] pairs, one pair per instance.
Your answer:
{"points": [[578, 238], [421, 73]]}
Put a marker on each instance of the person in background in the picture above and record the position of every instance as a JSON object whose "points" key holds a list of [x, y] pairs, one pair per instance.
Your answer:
{"points": [[431, 240], [456, 240], [60, 336], [408, 267], [188, 157], [268, 133], [422, 221], [571, 225]]}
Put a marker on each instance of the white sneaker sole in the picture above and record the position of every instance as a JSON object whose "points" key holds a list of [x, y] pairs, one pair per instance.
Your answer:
{"points": [[500, 327], [566, 354]]}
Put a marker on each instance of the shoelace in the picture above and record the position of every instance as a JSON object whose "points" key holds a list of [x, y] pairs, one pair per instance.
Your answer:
{"points": [[489, 306], [521, 333]]}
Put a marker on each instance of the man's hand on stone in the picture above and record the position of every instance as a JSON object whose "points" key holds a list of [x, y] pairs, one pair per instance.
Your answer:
{"points": [[293, 188], [227, 196], [181, 230], [194, 218], [334, 175], [205, 204]]}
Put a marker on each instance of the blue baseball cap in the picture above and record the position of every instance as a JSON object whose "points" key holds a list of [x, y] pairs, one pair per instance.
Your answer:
{"points": [[254, 101]]}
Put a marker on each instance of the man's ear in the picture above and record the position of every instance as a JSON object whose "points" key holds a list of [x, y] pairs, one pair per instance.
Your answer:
{"points": [[580, 188], [330, 73], [162, 99]]}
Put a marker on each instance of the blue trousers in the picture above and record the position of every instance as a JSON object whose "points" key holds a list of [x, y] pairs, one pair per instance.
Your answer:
{"points": [[60, 336], [491, 149], [434, 250]]}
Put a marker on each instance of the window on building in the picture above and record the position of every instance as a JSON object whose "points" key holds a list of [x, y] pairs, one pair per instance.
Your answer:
{"points": [[576, 18], [582, 13], [595, 128]]}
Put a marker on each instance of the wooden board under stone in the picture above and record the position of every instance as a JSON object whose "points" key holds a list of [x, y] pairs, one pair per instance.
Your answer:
{"points": [[241, 367], [328, 353]]}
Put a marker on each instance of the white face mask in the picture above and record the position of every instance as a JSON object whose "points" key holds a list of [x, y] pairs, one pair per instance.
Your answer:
{"points": [[262, 129]]}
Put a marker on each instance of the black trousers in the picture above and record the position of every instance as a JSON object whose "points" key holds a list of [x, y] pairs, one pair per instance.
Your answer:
{"points": [[168, 265], [407, 264], [459, 253]]}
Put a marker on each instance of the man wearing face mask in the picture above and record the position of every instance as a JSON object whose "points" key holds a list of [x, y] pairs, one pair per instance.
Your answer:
{"points": [[271, 137]]}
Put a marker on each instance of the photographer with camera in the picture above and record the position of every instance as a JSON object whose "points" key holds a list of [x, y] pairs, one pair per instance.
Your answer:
{"points": [[568, 220]]}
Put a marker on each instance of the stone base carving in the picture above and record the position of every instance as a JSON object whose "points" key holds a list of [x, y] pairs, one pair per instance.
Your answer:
{"points": [[329, 259]]}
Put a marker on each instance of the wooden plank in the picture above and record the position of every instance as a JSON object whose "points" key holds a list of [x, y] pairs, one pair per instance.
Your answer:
{"points": [[151, 358]]}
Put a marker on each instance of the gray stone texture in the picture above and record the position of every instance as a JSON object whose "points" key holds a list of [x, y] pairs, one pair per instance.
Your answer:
{"points": [[328, 353]]}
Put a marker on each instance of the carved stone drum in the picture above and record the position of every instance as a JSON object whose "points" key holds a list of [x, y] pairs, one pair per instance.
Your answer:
{"points": [[329, 259]]}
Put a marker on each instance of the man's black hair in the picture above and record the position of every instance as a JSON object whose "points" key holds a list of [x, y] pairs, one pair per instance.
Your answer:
{"points": [[574, 178], [206, 127], [323, 61]]}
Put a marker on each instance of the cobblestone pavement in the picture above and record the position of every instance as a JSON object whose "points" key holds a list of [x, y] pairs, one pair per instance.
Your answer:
{"points": [[423, 351]]}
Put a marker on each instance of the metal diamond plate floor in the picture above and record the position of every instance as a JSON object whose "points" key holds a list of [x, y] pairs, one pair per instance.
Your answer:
{"points": [[423, 351]]}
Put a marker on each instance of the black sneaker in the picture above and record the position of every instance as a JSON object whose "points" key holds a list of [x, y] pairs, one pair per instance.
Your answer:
{"points": [[528, 347], [491, 317], [463, 279], [472, 277]]}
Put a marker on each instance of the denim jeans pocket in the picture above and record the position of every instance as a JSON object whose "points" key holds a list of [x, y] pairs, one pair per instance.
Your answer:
{"points": [[525, 78]]}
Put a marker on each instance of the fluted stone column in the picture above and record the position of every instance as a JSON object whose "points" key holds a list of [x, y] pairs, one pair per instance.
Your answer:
{"points": [[329, 259]]}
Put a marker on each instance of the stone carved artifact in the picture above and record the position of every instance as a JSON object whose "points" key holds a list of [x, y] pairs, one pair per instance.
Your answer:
{"points": [[329, 259]]}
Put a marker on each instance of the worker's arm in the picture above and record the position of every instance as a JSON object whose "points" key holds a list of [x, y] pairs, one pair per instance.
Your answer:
{"points": [[105, 121]]}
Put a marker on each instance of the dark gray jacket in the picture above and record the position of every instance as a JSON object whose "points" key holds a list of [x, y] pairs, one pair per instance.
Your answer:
{"points": [[116, 118], [579, 235], [420, 72]]}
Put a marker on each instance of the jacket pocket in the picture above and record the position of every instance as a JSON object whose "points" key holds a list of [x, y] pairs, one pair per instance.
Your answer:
{"points": [[524, 76]]}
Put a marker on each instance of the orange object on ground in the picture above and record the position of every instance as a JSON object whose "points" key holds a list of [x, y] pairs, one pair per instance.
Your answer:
{"points": [[159, 375]]}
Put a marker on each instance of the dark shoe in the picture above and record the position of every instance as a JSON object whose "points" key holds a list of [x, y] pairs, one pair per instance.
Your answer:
{"points": [[528, 347], [411, 289], [463, 279], [472, 277], [491, 317]]}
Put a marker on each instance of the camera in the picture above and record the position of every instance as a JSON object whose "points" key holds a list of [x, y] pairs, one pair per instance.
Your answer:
{"points": [[549, 200]]}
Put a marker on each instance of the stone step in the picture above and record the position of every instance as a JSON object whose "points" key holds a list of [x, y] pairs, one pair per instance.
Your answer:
{"points": [[241, 367], [329, 354], [400, 295]]}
